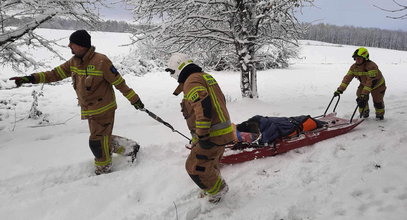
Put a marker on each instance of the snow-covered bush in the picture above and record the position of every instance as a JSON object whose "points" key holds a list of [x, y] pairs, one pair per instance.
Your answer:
{"points": [[141, 60], [35, 113]]}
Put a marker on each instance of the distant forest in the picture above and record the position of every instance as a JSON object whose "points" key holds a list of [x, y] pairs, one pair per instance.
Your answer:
{"points": [[69, 24], [106, 26], [348, 35]]}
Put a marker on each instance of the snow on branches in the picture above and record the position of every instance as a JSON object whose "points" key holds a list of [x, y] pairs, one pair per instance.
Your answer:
{"points": [[220, 30], [15, 34]]}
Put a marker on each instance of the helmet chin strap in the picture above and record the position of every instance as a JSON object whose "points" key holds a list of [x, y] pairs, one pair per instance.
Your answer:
{"points": [[363, 61], [172, 73]]}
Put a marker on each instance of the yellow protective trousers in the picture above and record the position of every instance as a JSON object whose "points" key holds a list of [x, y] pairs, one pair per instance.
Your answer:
{"points": [[202, 166], [101, 128], [377, 96]]}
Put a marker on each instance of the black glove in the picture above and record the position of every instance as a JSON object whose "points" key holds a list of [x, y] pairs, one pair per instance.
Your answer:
{"points": [[138, 104], [362, 101], [205, 144], [23, 79], [337, 93]]}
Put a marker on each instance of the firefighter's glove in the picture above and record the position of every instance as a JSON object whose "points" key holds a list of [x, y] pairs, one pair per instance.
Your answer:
{"points": [[205, 144], [337, 93], [21, 80], [194, 139], [138, 104], [362, 101]]}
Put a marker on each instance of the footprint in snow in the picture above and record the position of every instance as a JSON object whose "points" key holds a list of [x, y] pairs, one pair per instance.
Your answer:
{"points": [[44, 137]]}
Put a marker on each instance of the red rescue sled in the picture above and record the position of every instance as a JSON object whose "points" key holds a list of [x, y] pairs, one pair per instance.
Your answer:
{"points": [[241, 152]]}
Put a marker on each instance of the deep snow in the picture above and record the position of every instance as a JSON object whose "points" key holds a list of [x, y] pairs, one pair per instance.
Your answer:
{"points": [[46, 169]]}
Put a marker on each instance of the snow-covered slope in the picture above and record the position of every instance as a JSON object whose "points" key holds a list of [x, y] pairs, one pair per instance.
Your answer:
{"points": [[46, 170]]}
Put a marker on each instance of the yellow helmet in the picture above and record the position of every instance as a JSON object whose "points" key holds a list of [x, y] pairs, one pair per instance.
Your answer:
{"points": [[361, 52]]}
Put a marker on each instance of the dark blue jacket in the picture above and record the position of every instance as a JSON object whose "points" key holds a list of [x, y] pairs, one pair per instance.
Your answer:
{"points": [[272, 128]]}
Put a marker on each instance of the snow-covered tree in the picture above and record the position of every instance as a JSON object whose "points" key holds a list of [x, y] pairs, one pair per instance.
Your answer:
{"points": [[14, 35], [228, 29]]}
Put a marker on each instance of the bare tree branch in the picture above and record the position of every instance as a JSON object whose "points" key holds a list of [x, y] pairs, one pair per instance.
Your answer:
{"points": [[15, 35], [401, 9]]}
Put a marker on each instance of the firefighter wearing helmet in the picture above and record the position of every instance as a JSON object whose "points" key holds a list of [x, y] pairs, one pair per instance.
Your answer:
{"points": [[371, 82], [204, 109]]}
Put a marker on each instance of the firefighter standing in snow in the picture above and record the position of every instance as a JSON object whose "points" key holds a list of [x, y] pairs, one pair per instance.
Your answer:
{"points": [[204, 108], [93, 76], [371, 81]]}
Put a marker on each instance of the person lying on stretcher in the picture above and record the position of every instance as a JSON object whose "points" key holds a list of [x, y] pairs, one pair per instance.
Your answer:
{"points": [[265, 130]]}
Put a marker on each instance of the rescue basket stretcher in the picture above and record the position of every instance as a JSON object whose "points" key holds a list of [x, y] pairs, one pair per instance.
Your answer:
{"points": [[244, 151]]}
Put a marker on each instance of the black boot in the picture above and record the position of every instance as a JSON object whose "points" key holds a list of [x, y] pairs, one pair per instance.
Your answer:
{"points": [[379, 117], [365, 114], [133, 154]]}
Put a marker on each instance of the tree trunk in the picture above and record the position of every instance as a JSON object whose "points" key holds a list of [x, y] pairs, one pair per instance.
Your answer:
{"points": [[248, 80], [246, 30]]}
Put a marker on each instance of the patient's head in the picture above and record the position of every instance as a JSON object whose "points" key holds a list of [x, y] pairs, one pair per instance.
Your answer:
{"points": [[251, 126]]}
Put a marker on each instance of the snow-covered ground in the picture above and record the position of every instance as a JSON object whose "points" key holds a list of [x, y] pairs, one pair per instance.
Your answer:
{"points": [[46, 168]]}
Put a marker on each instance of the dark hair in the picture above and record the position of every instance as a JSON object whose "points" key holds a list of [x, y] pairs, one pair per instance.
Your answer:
{"points": [[251, 126]]}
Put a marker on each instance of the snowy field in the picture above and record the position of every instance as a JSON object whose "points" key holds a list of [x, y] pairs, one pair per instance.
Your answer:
{"points": [[46, 165]]}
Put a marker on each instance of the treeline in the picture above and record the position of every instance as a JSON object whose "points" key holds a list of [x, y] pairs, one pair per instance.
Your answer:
{"points": [[106, 26], [70, 24], [349, 35]]}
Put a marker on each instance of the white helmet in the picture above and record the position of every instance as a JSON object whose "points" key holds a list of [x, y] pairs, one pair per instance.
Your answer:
{"points": [[176, 63]]}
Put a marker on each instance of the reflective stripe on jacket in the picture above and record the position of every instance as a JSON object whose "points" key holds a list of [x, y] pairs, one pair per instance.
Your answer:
{"points": [[92, 78], [204, 108], [367, 73]]}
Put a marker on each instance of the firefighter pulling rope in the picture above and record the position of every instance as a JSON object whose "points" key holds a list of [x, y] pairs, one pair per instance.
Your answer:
{"points": [[154, 116]]}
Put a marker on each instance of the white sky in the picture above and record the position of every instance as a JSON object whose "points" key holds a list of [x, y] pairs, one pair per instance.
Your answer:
{"points": [[118, 11], [358, 13]]}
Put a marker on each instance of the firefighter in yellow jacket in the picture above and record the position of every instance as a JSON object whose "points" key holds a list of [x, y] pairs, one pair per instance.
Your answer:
{"points": [[93, 77], [371, 82], [204, 108]]}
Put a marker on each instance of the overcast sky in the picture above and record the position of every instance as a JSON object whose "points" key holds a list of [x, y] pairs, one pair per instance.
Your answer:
{"points": [[358, 13]]}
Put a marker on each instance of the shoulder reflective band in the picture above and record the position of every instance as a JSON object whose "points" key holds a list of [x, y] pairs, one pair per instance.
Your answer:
{"points": [[209, 79], [193, 93]]}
